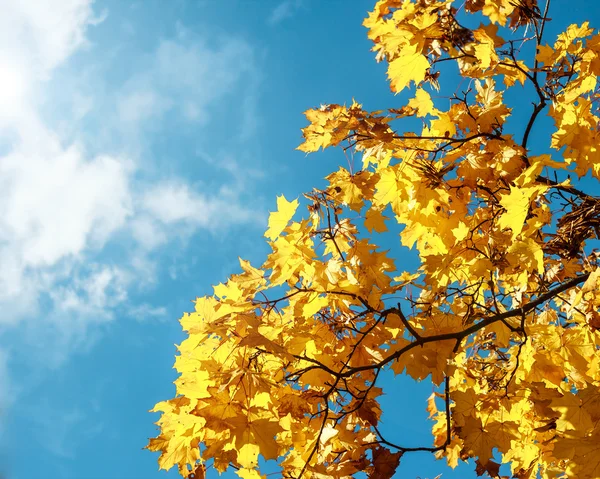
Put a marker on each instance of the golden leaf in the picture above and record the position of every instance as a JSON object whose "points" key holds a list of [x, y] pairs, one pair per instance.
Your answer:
{"points": [[279, 219]]}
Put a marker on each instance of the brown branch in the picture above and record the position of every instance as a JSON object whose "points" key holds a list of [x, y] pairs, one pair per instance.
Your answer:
{"points": [[407, 325], [459, 336], [316, 448], [566, 188], [536, 111], [518, 356]]}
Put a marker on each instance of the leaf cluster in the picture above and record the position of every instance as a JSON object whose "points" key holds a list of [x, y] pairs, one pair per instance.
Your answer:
{"points": [[284, 361]]}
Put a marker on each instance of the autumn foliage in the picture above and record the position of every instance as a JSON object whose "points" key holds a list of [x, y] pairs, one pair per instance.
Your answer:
{"points": [[501, 314]]}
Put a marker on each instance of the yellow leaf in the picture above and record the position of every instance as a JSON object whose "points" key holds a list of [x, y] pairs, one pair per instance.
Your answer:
{"points": [[591, 284], [255, 339], [314, 304], [282, 362], [477, 440], [516, 205], [409, 66], [195, 386], [502, 332], [327, 433], [279, 219], [498, 10], [422, 103], [484, 49], [389, 189], [573, 414], [245, 473], [461, 231], [248, 455], [529, 255], [231, 291]]}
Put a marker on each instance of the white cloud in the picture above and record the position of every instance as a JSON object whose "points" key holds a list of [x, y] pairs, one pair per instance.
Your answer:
{"points": [[96, 293], [285, 9], [172, 202], [81, 219], [56, 201], [51, 30], [188, 76], [174, 206], [141, 105], [36, 36], [148, 232], [61, 205], [55, 204], [147, 312], [240, 173]]}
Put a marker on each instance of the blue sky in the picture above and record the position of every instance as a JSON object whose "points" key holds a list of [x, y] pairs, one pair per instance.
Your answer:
{"points": [[142, 145]]}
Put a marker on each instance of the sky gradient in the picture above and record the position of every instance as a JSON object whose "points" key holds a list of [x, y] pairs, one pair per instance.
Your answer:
{"points": [[142, 145]]}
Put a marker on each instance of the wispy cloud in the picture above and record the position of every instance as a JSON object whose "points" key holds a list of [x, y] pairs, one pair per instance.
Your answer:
{"points": [[54, 203], [146, 312], [284, 10], [56, 200], [83, 215], [187, 76], [89, 211], [176, 202]]}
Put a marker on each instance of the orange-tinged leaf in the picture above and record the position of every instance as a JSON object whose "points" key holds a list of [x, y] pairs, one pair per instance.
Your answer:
{"points": [[545, 54], [385, 462], [199, 472], [375, 221]]}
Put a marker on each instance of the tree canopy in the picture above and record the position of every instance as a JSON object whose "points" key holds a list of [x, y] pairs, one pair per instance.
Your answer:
{"points": [[501, 313]]}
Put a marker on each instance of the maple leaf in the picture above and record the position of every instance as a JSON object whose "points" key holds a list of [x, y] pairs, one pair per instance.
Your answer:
{"points": [[517, 204], [375, 221], [410, 66], [385, 462], [573, 414], [490, 467], [422, 103], [485, 50], [279, 220]]}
